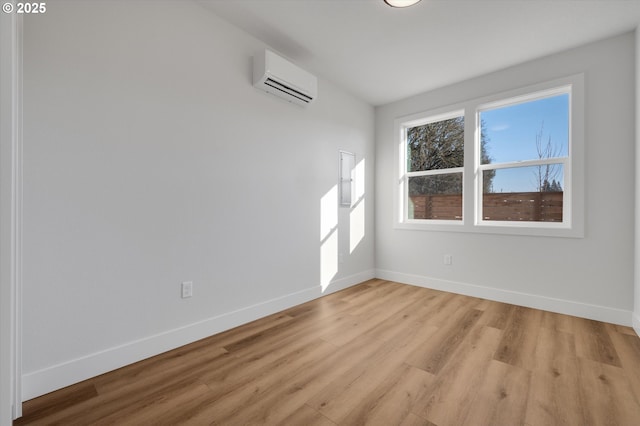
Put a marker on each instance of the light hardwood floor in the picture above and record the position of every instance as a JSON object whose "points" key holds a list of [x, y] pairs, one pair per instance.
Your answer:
{"points": [[378, 353]]}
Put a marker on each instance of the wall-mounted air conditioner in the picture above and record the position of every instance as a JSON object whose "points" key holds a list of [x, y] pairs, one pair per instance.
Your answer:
{"points": [[277, 76]]}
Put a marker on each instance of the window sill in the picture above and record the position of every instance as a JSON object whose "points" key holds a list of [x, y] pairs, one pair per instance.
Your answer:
{"points": [[533, 229]]}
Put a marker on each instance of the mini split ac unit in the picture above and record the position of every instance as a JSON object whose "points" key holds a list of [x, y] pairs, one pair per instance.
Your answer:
{"points": [[277, 76]]}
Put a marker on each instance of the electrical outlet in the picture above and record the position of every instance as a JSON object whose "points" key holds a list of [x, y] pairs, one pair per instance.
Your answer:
{"points": [[448, 259], [187, 289]]}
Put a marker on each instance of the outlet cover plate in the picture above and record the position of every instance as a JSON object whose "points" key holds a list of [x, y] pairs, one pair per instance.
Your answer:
{"points": [[187, 289]]}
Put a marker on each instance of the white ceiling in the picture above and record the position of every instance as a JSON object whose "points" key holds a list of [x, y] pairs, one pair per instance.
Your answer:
{"points": [[382, 54]]}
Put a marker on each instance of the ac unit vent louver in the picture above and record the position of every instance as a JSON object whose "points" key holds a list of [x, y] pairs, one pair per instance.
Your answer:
{"points": [[277, 76], [288, 90]]}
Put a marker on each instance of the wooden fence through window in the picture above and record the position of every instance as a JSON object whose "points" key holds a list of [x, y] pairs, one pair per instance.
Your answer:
{"points": [[509, 206]]}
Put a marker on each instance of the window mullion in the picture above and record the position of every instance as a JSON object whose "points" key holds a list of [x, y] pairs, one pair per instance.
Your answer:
{"points": [[523, 163], [436, 172], [471, 158]]}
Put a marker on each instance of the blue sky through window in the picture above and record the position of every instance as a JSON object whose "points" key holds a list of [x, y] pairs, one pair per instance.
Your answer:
{"points": [[512, 131]]}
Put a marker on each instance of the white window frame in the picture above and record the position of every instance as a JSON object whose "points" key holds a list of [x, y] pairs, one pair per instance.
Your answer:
{"points": [[573, 164], [432, 118]]}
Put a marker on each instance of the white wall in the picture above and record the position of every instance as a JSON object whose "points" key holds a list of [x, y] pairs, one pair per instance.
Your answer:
{"points": [[9, 408], [591, 276], [636, 309], [5, 222], [151, 160]]}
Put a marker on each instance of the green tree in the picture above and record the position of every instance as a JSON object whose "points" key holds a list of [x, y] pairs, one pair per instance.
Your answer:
{"points": [[553, 186], [487, 182]]}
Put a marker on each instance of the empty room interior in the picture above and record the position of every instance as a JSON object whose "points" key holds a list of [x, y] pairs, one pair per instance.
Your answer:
{"points": [[320, 212]]}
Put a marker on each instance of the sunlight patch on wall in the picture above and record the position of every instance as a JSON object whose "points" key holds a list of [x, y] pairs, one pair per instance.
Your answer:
{"points": [[358, 177], [357, 215], [356, 226], [328, 237]]}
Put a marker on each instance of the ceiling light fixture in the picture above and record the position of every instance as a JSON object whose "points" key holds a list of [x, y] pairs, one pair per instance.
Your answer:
{"points": [[401, 3]]}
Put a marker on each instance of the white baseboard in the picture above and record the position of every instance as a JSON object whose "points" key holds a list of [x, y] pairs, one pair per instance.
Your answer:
{"points": [[568, 307], [636, 322], [58, 376]]}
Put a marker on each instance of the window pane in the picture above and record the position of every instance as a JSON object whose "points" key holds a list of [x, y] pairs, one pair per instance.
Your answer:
{"points": [[526, 131], [436, 146], [533, 194], [436, 197]]}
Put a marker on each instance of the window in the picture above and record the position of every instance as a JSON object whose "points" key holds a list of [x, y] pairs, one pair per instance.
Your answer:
{"points": [[510, 163], [435, 166], [525, 143]]}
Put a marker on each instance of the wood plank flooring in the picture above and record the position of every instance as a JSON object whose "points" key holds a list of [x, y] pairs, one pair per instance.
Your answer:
{"points": [[379, 353]]}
